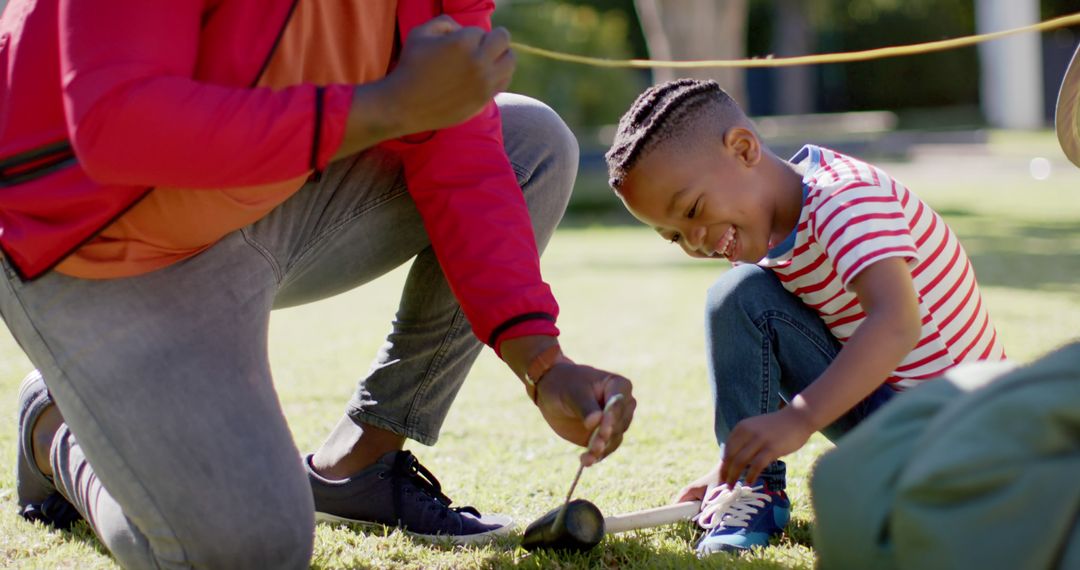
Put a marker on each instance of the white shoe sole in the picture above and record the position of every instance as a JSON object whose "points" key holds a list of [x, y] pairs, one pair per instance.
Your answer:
{"points": [[457, 539]]}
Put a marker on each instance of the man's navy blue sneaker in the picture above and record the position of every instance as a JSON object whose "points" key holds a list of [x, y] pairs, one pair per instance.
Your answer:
{"points": [[741, 518], [398, 491]]}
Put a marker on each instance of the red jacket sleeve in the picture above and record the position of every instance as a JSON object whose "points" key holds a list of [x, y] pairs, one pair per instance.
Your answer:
{"points": [[137, 117], [479, 226], [476, 217]]}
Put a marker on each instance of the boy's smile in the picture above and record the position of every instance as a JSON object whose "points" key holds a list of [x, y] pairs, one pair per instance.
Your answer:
{"points": [[720, 199]]}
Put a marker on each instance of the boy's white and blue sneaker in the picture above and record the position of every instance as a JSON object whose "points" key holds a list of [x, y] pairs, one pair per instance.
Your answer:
{"points": [[741, 518]]}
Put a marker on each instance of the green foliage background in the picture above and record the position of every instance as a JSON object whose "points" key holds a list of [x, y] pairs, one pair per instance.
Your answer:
{"points": [[589, 97], [585, 97], [933, 80]]}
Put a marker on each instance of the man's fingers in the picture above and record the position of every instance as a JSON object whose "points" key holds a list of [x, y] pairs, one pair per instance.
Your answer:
{"points": [[603, 435], [615, 384], [626, 416], [623, 409], [494, 44], [594, 447], [611, 445], [470, 37], [621, 413], [606, 433], [602, 447], [591, 421], [503, 68], [439, 26]]}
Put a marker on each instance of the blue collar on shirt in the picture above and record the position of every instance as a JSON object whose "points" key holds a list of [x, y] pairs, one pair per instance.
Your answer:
{"points": [[808, 155]]}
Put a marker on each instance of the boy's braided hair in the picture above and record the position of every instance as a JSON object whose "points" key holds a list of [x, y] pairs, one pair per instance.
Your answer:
{"points": [[660, 113]]}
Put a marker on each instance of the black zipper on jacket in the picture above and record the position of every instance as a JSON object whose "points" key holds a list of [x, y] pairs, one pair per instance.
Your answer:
{"points": [[317, 174], [27, 277], [277, 40], [35, 163]]}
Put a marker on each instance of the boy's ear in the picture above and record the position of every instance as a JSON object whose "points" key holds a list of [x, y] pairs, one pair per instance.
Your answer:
{"points": [[744, 144]]}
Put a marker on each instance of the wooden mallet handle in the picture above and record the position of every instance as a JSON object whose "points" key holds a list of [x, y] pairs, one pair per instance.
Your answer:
{"points": [[649, 518]]}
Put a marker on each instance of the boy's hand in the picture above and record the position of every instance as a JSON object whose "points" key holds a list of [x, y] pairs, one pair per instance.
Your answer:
{"points": [[890, 331], [758, 441], [571, 398], [695, 490]]}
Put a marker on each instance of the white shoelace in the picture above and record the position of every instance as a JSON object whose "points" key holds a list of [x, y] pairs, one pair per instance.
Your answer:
{"points": [[726, 507]]}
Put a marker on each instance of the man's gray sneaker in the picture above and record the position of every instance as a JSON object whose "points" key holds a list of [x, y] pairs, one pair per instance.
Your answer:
{"points": [[37, 496], [32, 486], [398, 491]]}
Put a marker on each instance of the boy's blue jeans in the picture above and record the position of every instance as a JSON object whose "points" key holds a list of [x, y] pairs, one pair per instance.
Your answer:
{"points": [[764, 344]]}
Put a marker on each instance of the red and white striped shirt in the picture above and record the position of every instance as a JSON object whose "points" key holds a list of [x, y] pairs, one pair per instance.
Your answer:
{"points": [[854, 215]]}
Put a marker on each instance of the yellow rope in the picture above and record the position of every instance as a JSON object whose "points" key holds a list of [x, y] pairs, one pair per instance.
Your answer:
{"points": [[895, 51]]}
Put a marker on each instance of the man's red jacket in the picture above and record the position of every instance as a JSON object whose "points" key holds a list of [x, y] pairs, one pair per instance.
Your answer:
{"points": [[102, 101]]}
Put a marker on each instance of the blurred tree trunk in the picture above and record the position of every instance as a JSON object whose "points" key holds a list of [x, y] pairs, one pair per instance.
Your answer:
{"points": [[1012, 82], [792, 36], [697, 29]]}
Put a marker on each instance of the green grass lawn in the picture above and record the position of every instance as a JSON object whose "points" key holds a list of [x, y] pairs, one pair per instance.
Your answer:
{"points": [[630, 303]]}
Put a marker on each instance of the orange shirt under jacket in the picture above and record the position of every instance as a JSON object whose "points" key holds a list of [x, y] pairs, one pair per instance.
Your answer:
{"points": [[323, 43]]}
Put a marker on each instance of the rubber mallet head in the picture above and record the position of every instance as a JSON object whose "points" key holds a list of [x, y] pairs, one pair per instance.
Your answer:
{"points": [[580, 529]]}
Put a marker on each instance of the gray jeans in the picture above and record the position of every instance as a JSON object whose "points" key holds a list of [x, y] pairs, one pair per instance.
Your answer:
{"points": [[161, 376]]}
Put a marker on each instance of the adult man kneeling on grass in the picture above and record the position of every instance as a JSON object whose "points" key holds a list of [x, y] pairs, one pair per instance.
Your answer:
{"points": [[175, 170]]}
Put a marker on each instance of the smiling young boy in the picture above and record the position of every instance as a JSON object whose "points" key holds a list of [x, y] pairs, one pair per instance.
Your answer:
{"points": [[846, 288]]}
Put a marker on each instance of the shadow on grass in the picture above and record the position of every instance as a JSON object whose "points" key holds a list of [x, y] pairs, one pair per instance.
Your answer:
{"points": [[1026, 255], [79, 533], [630, 553], [1005, 252], [606, 215], [954, 213], [800, 532], [375, 530], [665, 547], [677, 261]]}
